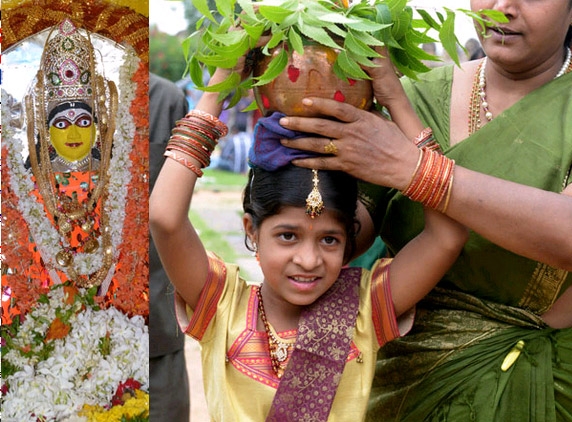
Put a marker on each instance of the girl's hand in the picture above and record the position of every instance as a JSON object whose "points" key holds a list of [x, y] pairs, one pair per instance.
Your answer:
{"points": [[387, 88], [448, 233], [389, 93]]}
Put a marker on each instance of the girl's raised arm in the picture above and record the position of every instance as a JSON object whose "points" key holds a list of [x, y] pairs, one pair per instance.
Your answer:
{"points": [[180, 248]]}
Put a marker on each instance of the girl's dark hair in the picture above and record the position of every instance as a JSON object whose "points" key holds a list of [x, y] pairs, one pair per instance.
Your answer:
{"points": [[568, 39], [268, 192]]}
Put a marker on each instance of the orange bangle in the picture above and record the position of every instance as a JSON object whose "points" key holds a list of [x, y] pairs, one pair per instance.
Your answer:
{"points": [[432, 180], [213, 121], [425, 140], [182, 160]]}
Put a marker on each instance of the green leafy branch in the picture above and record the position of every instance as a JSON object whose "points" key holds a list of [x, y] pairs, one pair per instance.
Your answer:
{"points": [[355, 31]]}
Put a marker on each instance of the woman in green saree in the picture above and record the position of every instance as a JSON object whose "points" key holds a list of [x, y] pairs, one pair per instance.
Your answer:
{"points": [[493, 342]]}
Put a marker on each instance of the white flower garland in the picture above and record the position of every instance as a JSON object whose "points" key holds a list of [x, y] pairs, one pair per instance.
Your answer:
{"points": [[76, 372], [45, 235]]}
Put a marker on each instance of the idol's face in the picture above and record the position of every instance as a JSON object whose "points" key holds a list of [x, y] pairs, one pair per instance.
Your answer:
{"points": [[71, 133]]}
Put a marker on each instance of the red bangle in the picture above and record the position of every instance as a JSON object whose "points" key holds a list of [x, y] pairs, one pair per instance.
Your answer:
{"points": [[432, 180], [425, 140]]}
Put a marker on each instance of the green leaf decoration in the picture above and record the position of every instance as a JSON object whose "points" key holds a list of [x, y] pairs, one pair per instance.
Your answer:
{"points": [[368, 39], [233, 51], [417, 38], [494, 15], [217, 60], [195, 72], [254, 32], [337, 31], [350, 67], [225, 8], [186, 45], [365, 25], [383, 14], [358, 47], [319, 35], [203, 7], [251, 107], [427, 18], [227, 85], [275, 67], [414, 50], [247, 8], [228, 38], [396, 6], [296, 41], [362, 61], [276, 39], [402, 24], [448, 38], [274, 14], [354, 31]]}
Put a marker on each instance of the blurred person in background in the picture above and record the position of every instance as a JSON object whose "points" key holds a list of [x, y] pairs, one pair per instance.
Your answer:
{"points": [[169, 383]]}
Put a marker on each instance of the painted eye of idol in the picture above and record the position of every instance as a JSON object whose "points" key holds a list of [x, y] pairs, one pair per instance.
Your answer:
{"points": [[84, 120]]}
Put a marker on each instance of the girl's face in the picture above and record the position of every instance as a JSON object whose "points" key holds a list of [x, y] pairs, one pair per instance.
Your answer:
{"points": [[300, 257], [534, 34]]}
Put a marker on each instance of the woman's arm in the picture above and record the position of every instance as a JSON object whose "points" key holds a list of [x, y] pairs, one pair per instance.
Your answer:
{"points": [[419, 266], [178, 244], [559, 315], [525, 220]]}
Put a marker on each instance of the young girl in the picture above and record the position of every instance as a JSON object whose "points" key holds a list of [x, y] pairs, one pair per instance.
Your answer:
{"points": [[302, 345]]}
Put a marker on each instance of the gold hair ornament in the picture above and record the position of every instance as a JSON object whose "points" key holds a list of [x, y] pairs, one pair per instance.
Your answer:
{"points": [[314, 202]]}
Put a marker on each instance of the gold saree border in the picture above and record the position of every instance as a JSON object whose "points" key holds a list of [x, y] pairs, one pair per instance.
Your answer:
{"points": [[543, 288]]}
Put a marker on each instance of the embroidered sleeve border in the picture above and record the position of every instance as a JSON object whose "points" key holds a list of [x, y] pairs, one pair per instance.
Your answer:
{"points": [[195, 322]]}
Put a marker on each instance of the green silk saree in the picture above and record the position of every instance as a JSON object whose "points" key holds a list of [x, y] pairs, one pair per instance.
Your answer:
{"points": [[453, 365]]}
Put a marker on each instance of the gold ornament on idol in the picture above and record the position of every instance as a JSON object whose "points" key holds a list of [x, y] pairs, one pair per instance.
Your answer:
{"points": [[67, 75], [279, 350], [478, 98]]}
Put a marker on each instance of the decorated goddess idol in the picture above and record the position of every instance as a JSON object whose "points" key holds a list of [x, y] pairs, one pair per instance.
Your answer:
{"points": [[65, 104], [74, 344]]}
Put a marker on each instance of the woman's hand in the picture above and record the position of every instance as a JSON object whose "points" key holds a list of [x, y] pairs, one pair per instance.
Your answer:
{"points": [[361, 143]]}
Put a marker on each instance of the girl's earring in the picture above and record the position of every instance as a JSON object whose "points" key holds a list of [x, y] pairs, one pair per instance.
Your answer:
{"points": [[255, 252]]}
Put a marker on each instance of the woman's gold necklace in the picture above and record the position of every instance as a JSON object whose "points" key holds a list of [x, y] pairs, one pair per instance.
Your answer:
{"points": [[478, 98], [279, 350]]}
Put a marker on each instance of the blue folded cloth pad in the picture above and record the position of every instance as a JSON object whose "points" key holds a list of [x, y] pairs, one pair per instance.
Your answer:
{"points": [[267, 152]]}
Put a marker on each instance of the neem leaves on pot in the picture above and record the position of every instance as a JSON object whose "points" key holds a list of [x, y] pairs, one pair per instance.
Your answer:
{"points": [[352, 31]]}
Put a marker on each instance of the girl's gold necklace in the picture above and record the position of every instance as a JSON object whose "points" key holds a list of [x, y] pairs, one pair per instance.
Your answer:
{"points": [[279, 350]]}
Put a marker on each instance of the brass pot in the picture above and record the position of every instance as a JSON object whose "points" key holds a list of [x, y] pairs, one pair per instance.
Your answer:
{"points": [[308, 75]]}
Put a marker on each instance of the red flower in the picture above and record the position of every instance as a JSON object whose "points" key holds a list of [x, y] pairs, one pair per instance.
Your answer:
{"points": [[125, 390]]}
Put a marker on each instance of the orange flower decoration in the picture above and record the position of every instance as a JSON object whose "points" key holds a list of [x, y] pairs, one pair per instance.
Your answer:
{"points": [[58, 329]]}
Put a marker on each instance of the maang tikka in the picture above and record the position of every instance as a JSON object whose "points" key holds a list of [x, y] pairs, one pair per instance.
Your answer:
{"points": [[314, 202]]}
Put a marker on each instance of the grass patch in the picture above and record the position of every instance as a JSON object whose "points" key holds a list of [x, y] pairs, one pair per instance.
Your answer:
{"points": [[221, 180], [212, 240]]}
